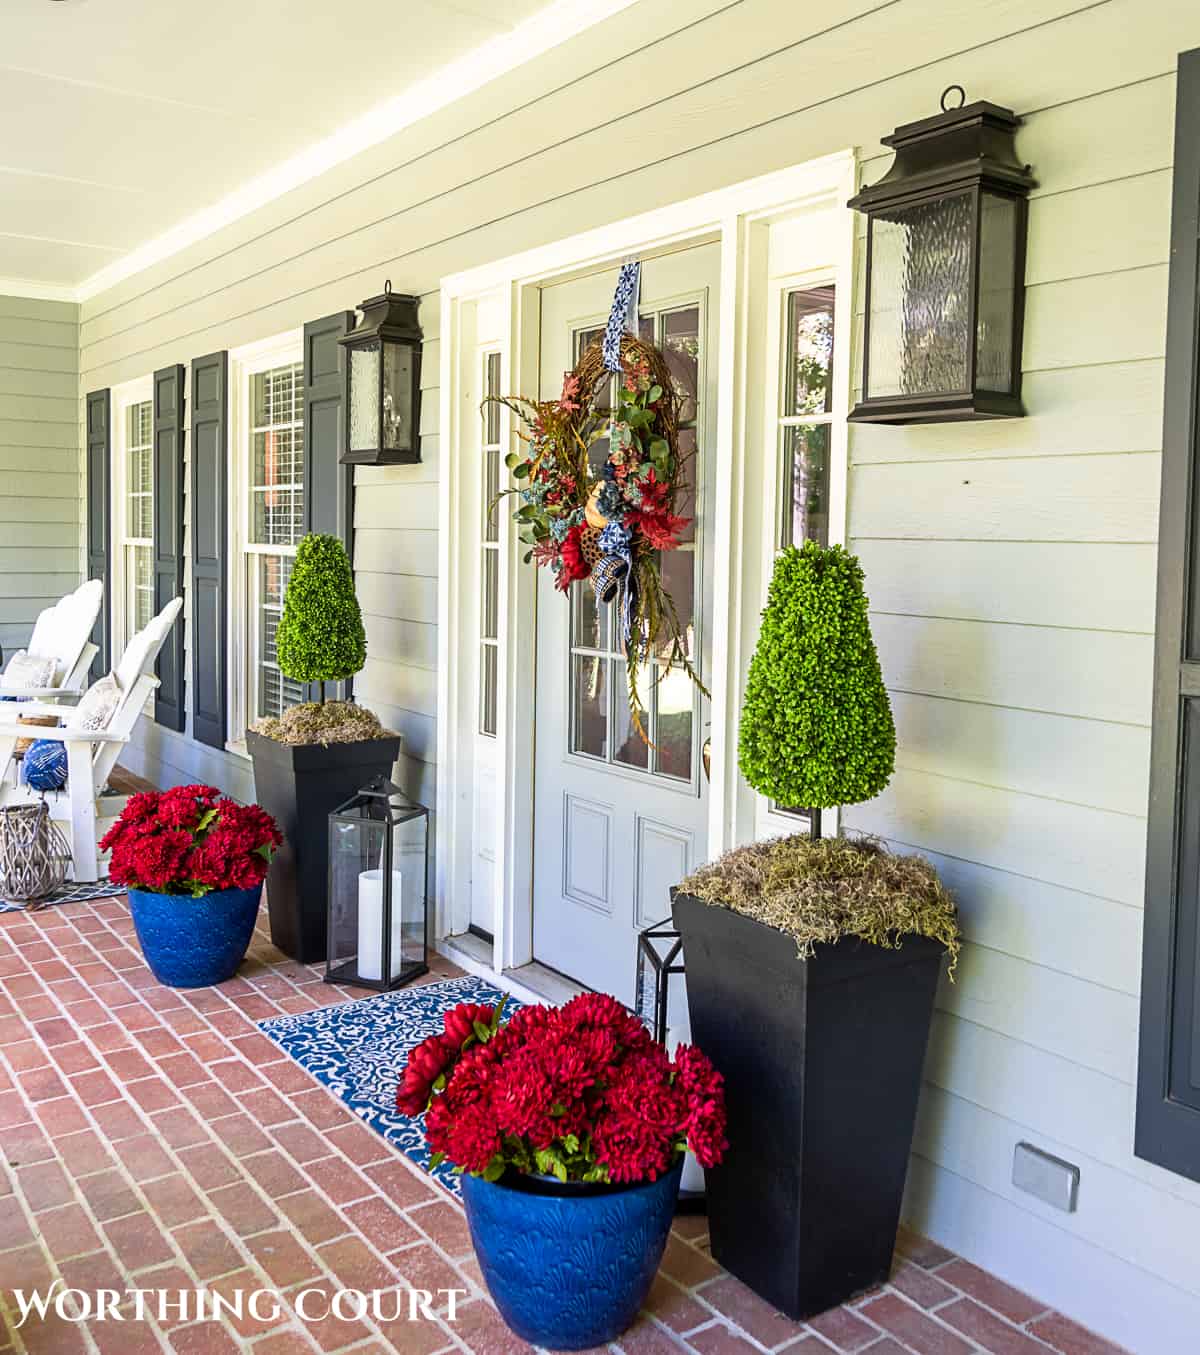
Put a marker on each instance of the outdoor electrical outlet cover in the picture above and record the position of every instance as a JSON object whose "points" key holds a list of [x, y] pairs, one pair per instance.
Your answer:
{"points": [[1046, 1176]]}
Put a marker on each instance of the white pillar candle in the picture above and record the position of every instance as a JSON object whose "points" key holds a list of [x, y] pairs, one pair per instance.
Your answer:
{"points": [[370, 925]]}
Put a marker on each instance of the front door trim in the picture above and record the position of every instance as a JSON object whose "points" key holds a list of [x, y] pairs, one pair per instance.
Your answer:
{"points": [[730, 216]]}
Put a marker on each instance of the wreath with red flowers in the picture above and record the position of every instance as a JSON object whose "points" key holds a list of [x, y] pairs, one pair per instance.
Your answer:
{"points": [[613, 524]]}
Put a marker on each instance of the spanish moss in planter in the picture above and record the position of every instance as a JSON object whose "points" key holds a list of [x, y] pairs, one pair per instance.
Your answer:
{"points": [[318, 754], [569, 1126], [812, 964], [194, 862]]}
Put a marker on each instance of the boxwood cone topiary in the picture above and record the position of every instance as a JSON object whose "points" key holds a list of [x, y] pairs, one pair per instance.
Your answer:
{"points": [[320, 636], [816, 728]]}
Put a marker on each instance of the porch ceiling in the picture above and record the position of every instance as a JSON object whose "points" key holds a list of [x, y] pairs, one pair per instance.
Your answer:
{"points": [[125, 118]]}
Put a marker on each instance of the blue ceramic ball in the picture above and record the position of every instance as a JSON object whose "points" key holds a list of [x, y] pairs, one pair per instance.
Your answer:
{"points": [[46, 765]]}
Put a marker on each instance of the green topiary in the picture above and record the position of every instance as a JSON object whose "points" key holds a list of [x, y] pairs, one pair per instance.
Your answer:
{"points": [[816, 726], [320, 636]]}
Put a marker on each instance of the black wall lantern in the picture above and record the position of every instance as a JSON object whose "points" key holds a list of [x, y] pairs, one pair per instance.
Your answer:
{"points": [[383, 379], [946, 229]]}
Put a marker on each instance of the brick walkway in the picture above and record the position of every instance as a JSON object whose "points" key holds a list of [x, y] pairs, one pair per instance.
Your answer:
{"points": [[153, 1139]]}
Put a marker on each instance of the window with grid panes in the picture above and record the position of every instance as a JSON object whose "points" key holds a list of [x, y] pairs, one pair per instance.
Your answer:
{"points": [[601, 724], [489, 550], [805, 417], [138, 517], [805, 420], [275, 526]]}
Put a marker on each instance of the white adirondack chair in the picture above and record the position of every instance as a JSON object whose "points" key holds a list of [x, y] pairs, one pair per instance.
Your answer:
{"points": [[63, 633], [81, 807]]}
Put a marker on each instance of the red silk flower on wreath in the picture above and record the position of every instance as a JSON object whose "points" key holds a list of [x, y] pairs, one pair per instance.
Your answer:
{"points": [[581, 1092], [190, 840]]}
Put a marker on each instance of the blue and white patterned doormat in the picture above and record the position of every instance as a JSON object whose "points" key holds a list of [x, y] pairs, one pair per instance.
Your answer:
{"points": [[358, 1050], [67, 893]]}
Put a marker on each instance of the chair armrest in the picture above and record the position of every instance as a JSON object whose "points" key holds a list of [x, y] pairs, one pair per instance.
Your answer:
{"points": [[12, 716], [41, 693], [59, 735]]}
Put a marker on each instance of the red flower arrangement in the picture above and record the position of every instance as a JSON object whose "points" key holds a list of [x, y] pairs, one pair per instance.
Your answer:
{"points": [[582, 1092], [190, 840]]}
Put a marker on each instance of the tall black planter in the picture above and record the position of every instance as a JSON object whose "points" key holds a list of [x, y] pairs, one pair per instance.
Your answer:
{"points": [[822, 1063], [301, 785]]}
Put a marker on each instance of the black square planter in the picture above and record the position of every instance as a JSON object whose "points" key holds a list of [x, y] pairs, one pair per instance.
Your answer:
{"points": [[822, 1062], [300, 785]]}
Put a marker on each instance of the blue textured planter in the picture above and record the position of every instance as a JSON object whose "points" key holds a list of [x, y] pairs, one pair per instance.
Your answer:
{"points": [[569, 1267], [194, 943]]}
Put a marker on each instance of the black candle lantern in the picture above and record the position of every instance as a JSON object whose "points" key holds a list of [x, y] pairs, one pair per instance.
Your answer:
{"points": [[659, 958], [378, 889], [383, 383], [946, 229]]}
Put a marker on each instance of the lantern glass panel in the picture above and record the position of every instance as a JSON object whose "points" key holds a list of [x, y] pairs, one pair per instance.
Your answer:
{"points": [[364, 397], [361, 871], [355, 850], [921, 298], [997, 291], [397, 397]]}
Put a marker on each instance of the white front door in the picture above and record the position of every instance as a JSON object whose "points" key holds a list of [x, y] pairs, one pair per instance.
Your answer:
{"points": [[617, 822]]}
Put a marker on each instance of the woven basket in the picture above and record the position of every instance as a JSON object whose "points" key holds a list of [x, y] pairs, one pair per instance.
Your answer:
{"points": [[22, 746], [34, 854]]}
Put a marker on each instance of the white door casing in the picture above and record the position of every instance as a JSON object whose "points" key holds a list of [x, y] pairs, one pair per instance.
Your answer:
{"points": [[617, 821], [770, 232]]}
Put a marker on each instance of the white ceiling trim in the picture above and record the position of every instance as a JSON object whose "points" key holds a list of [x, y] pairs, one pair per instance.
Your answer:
{"points": [[37, 291], [543, 31]]}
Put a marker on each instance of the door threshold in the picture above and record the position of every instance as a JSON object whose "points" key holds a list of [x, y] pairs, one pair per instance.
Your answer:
{"points": [[532, 982]]}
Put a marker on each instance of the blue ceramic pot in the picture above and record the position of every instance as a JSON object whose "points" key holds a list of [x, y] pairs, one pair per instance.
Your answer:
{"points": [[194, 943], [569, 1267]]}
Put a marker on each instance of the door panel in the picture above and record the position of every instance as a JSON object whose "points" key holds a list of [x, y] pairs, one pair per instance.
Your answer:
{"points": [[617, 822]]}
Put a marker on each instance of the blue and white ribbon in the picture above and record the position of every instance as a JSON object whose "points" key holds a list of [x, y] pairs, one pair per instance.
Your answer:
{"points": [[614, 573], [623, 315]]}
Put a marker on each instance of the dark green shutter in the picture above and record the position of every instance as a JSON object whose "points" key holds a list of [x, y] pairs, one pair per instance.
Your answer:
{"points": [[99, 518], [328, 485], [168, 538], [1168, 1103], [210, 547]]}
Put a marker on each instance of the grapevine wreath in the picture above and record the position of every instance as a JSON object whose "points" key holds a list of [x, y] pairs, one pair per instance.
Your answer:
{"points": [[613, 525]]}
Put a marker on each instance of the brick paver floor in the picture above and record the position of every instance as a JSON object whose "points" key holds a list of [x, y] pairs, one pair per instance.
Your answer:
{"points": [[153, 1139]]}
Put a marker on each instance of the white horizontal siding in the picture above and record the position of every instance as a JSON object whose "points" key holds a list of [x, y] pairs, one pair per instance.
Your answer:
{"points": [[1010, 564], [40, 485]]}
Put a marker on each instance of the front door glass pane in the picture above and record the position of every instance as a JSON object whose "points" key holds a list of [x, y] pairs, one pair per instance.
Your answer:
{"points": [[602, 726]]}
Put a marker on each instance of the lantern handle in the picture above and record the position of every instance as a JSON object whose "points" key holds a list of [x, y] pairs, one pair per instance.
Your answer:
{"points": [[962, 97]]}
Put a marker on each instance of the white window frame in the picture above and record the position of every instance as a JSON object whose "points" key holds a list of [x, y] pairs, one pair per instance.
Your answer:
{"points": [[244, 364], [769, 820], [124, 397], [492, 547]]}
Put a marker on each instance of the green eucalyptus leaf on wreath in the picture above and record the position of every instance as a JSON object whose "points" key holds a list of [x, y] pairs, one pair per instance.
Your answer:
{"points": [[654, 394], [511, 459], [527, 557], [522, 471]]}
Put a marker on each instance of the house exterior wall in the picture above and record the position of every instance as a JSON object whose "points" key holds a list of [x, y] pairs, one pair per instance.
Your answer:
{"points": [[1010, 564], [40, 493]]}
